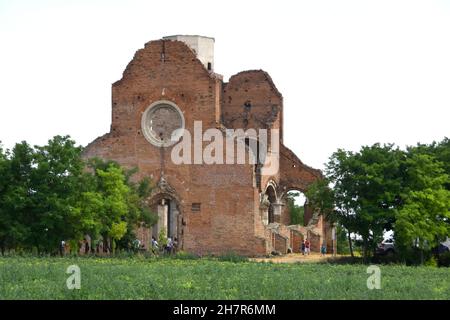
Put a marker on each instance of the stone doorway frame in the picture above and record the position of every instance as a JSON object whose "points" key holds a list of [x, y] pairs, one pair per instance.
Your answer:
{"points": [[163, 192]]}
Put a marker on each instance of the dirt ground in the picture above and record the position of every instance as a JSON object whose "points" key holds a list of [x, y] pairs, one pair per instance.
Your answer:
{"points": [[296, 258]]}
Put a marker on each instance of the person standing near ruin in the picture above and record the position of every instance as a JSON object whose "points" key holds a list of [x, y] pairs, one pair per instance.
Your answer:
{"points": [[307, 247], [155, 246], [136, 245], [62, 248], [169, 246], [323, 249]]}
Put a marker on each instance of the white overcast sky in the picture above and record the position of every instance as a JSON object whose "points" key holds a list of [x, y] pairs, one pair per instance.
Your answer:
{"points": [[351, 72]]}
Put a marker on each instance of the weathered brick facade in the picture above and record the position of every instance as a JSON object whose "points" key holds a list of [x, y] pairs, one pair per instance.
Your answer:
{"points": [[209, 208]]}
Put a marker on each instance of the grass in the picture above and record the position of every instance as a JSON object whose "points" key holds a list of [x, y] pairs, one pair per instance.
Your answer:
{"points": [[139, 278]]}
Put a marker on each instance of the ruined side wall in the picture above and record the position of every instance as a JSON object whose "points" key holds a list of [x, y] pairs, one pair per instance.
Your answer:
{"points": [[169, 70], [251, 100], [294, 173]]}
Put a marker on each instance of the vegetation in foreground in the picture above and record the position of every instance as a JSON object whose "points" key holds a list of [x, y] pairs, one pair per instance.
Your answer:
{"points": [[139, 278]]}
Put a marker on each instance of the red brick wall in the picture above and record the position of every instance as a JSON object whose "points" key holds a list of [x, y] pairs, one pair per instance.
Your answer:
{"points": [[227, 220], [294, 174], [285, 215], [281, 244], [230, 218], [265, 101], [296, 241], [315, 241]]}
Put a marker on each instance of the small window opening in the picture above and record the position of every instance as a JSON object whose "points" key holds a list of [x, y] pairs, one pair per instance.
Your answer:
{"points": [[196, 206]]}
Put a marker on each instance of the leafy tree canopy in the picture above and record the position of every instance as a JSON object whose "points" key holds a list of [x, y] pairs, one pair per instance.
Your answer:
{"points": [[49, 194], [381, 187]]}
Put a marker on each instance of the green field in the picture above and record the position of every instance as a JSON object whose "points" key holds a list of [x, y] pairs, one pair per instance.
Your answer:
{"points": [[134, 278]]}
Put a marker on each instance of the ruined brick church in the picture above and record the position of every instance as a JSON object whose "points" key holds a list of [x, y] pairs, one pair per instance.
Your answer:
{"points": [[210, 208]]}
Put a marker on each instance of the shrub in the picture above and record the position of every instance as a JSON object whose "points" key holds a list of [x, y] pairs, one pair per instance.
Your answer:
{"points": [[232, 257], [162, 240], [183, 255], [432, 262], [444, 259]]}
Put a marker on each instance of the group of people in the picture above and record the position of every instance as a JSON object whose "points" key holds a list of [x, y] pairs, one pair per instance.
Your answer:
{"points": [[306, 248], [85, 246], [98, 247], [169, 248], [138, 245]]}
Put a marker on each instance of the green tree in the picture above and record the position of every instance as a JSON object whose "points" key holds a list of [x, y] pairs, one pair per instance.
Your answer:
{"points": [[15, 191], [296, 212], [343, 245], [57, 183], [48, 194], [367, 188], [335, 207], [115, 203], [424, 219], [440, 151], [118, 230], [321, 197], [5, 216], [382, 188]]}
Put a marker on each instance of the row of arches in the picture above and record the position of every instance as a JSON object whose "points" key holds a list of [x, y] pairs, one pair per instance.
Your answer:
{"points": [[286, 206]]}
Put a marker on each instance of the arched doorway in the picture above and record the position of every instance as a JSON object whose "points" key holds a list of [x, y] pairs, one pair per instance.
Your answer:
{"points": [[270, 206], [168, 213], [165, 203], [295, 207], [271, 196]]}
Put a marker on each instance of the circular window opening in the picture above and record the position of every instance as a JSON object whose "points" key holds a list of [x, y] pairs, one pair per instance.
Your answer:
{"points": [[162, 123]]}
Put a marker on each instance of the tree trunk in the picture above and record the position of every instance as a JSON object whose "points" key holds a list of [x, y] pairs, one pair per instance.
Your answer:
{"points": [[105, 244], [421, 252], [365, 250], [350, 244]]}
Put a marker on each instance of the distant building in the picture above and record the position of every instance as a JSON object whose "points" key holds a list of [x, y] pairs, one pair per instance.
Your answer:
{"points": [[209, 208]]}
